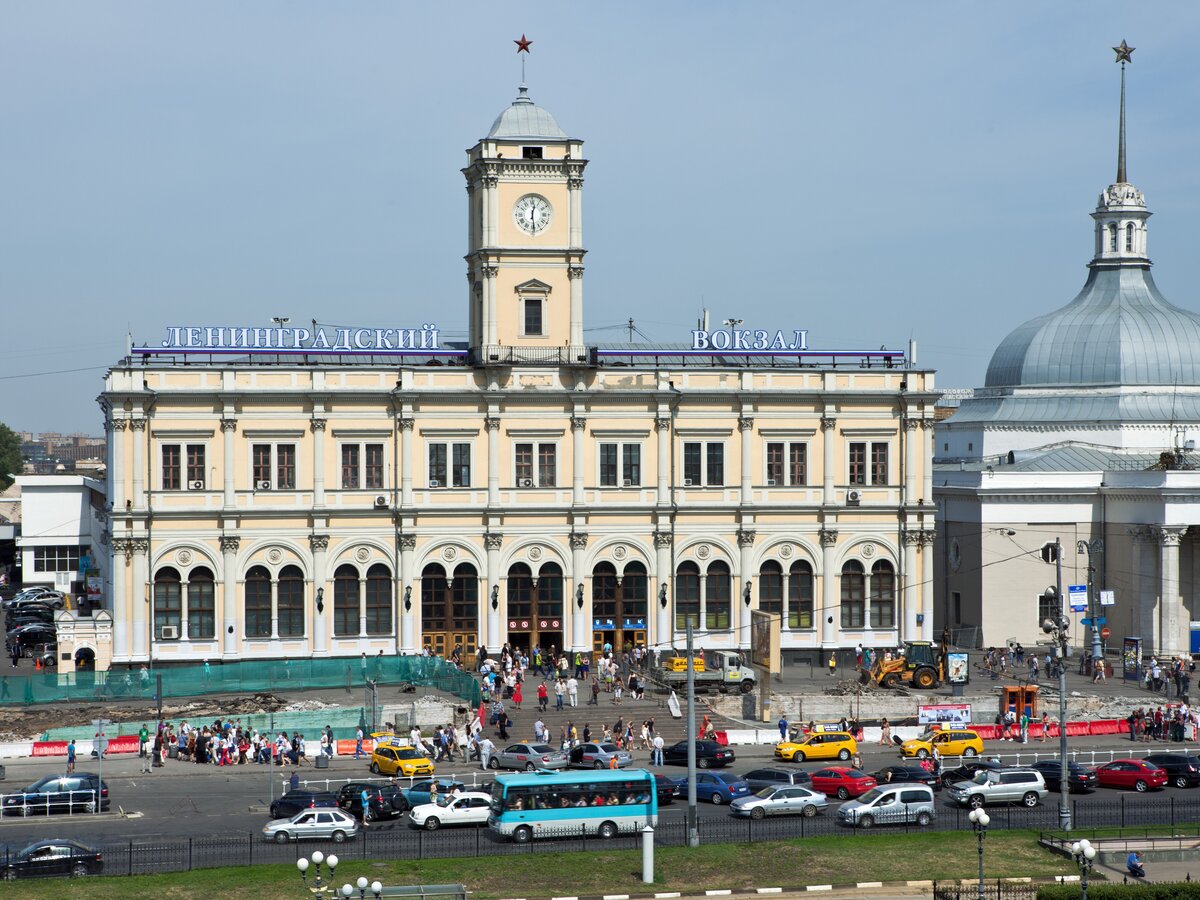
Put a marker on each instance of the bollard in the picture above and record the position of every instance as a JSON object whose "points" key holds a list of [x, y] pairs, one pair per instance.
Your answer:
{"points": [[648, 854]]}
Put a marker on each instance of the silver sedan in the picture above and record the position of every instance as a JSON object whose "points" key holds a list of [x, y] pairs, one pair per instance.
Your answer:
{"points": [[781, 801], [528, 757], [326, 822], [599, 756]]}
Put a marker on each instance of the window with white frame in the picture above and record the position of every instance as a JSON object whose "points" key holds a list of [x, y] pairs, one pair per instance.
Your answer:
{"points": [[449, 464], [867, 462], [183, 467], [531, 317], [703, 463], [362, 466], [535, 464], [273, 466], [620, 464], [57, 559], [787, 463]]}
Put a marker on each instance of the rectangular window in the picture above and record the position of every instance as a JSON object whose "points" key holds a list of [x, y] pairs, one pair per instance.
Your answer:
{"points": [[535, 465], [798, 463], [273, 459], [704, 464], [374, 473], [437, 465], [523, 454], [620, 465], [195, 465], [858, 463], [350, 466], [879, 463], [533, 316], [958, 608], [172, 470], [608, 465], [716, 465], [631, 459], [531, 153], [692, 476], [261, 463], [547, 477], [285, 466], [57, 559], [461, 458], [775, 464], [449, 465], [787, 463]]}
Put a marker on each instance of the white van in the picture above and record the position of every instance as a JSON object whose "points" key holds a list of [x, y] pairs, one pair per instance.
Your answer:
{"points": [[891, 804]]}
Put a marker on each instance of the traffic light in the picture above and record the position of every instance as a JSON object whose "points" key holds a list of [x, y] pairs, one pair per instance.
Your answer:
{"points": [[1050, 553]]}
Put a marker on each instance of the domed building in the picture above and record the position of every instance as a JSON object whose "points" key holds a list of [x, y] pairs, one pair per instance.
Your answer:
{"points": [[1082, 432]]}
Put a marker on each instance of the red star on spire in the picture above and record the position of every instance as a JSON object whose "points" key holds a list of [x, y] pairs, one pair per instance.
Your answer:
{"points": [[523, 44]]}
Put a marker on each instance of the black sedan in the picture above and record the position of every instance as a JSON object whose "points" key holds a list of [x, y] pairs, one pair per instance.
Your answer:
{"points": [[709, 755], [1080, 778], [908, 774], [1182, 770], [53, 857], [294, 801], [384, 800], [665, 788], [967, 770], [28, 637]]}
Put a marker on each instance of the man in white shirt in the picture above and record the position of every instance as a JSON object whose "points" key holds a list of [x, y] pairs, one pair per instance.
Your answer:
{"points": [[486, 749], [573, 690], [656, 755]]}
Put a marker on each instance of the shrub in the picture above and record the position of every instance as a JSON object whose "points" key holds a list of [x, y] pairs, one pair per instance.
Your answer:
{"points": [[1178, 890]]}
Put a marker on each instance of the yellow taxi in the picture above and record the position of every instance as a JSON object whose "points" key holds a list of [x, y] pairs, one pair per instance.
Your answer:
{"points": [[399, 759], [818, 745], [949, 742]]}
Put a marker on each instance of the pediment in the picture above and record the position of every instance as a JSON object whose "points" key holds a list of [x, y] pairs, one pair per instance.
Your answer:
{"points": [[533, 286]]}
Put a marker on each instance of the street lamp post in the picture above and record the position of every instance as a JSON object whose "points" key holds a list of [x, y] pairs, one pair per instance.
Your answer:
{"points": [[1084, 854], [322, 889], [979, 822], [1096, 545]]}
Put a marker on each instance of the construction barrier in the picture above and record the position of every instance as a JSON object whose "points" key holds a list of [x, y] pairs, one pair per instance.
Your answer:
{"points": [[346, 748], [49, 748]]}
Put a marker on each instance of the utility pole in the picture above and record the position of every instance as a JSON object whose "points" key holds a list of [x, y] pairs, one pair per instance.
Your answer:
{"points": [[1087, 547], [692, 829], [1064, 808]]}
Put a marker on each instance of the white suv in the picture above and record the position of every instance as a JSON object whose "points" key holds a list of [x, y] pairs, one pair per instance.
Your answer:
{"points": [[1024, 786]]}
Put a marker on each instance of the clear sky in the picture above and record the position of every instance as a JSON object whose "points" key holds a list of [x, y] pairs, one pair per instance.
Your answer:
{"points": [[869, 171]]}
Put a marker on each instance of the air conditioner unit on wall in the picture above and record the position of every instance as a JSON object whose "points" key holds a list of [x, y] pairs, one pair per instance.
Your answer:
{"points": [[381, 502], [168, 633], [854, 497], [687, 482], [433, 482], [525, 482], [262, 485], [628, 482], [770, 482], [195, 485]]}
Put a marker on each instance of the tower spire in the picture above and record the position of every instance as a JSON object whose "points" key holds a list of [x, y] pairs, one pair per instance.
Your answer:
{"points": [[1124, 55]]}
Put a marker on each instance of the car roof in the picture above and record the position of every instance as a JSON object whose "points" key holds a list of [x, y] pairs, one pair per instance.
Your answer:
{"points": [[59, 842]]}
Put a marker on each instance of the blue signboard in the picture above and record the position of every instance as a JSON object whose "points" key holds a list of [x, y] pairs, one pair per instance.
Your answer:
{"points": [[1078, 597]]}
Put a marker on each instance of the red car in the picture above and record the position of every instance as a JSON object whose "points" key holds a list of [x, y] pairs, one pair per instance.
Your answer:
{"points": [[842, 782], [1131, 773]]}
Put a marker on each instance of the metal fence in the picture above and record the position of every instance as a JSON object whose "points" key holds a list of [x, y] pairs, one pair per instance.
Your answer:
{"points": [[396, 840], [992, 890]]}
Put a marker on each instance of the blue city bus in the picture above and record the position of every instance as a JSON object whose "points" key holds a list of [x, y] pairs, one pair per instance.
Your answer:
{"points": [[603, 802]]}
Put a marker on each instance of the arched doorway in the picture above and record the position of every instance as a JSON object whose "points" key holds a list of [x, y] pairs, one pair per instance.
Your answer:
{"points": [[449, 609], [619, 606], [85, 660], [535, 606]]}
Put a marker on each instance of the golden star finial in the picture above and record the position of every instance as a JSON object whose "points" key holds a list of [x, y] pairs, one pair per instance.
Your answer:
{"points": [[1124, 53]]}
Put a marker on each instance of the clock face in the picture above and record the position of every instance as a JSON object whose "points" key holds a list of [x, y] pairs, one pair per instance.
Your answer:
{"points": [[532, 214]]}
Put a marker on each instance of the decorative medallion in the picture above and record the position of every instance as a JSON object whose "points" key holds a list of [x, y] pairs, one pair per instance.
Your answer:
{"points": [[184, 557], [868, 550], [704, 551], [274, 555], [535, 553], [450, 554], [620, 552], [786, 551], [362, 554]]}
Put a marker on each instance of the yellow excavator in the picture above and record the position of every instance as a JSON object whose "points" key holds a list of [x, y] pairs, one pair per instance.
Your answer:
{"points": [[922, 665]]}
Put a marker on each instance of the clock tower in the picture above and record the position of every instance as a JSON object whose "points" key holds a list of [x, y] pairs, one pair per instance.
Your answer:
{"points": [[525, 239]]}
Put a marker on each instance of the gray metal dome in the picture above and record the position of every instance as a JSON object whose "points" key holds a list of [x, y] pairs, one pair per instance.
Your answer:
{"points": [[524, 120], [1119, 330]]}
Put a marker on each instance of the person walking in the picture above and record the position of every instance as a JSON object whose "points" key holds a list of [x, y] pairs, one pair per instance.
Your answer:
{"points": [[358, 743], [486, 749], [543, 696], [783, 728], [71, 756], [573, 690], [595, 701], [516, 695], [885, 733]]}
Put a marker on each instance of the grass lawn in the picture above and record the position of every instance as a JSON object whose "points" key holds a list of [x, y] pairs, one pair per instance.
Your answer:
{"points": [[845, 858]]}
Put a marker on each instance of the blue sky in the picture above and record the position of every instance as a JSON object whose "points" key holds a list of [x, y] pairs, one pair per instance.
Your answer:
{"points": [[869, 171]]}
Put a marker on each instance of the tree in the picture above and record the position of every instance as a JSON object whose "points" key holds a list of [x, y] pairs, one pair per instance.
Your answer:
{"points": [[10, 456]]}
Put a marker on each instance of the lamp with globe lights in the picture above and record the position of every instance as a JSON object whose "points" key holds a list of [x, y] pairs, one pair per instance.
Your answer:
{"points": [[1085, 855], [979, 822]]}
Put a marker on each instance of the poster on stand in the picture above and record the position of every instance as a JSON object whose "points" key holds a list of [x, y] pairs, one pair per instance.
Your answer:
{"points": [[944, 714], [958, 669], [1131, 659]]}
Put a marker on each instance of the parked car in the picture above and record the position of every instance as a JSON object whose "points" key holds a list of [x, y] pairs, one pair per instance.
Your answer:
{"points": [[716, 787], [776, 777], [665, 787], [598, 756], [788, 800], [394, 759], [321, 823], [842, 782], [469, 808], [1131, 773], [949, 742], [28, 637], [1024, 786], [969, 768], [908, 774], [709, 755], [1182, 769], [55, 599], [528, 757], [58, 793], [41, 611], [295, 801], [897, 804], [421, 792], [53, 857], [380, 800], [1080, 778], [818, 745]]}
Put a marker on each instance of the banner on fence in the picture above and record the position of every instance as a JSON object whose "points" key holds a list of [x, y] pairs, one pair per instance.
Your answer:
{"points": [[944, 714]]}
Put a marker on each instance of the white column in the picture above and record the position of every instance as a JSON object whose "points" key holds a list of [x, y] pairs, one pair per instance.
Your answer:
{"points": [[578, 423], [274, 609], [575, 276], [184, 601], [745, 550], [116, 472], [362, 607], [229, 465], [489, 273], [493, 542], [120, 600], [913, 438], [663, 635], [1144, 587], [406, 461], [493, 470], [575, 203], [319, 544], [141, 594], [138, 427], [746, 427], [913, 592], [662, 435], [318, 430], [579, 617], [1172, 604], [830, 463], [829, 588], [409, 595], [927, 540]]}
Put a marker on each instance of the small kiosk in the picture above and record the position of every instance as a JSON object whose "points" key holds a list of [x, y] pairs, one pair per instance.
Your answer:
{"points": [[1019, 698]]}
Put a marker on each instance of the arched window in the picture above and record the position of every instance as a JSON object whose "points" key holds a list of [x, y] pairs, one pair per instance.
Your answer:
{"points": [[379, 599], [635, 586], [883, 595], [433, 599], [520, 592], [853, 591], [687, 596], [1112, 237], [258, 603], [800, 595], [291, 602], [770, 587], [464, 611], [202, 605], [604, 593], [167, 602], [1129, 238], [718, 587], [345, 601], [550, 592]]}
